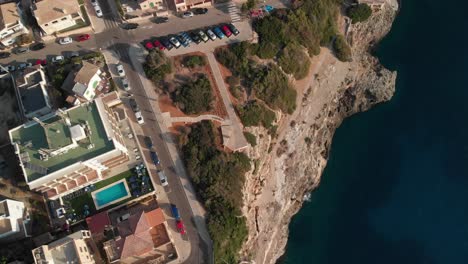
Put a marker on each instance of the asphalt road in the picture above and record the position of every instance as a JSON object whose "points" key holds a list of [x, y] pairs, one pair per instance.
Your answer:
{"points": [[109, 36]]}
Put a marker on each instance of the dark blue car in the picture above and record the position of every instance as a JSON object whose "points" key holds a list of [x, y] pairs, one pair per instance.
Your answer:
{"points": [[175, 212], [219, 32], [154, 157]]}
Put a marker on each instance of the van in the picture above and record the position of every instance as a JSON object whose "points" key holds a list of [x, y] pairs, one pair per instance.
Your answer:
{"points": [[163, 178]]}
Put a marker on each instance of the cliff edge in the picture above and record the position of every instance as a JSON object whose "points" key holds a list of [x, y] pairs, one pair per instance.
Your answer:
{"points": [[289, 166]]}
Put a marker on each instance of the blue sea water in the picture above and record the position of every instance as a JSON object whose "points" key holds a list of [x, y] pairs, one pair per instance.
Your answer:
{"points": [[395, 189]]}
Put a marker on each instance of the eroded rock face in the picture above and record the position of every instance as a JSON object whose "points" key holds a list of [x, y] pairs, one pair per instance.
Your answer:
{"points": [[292, 166]]}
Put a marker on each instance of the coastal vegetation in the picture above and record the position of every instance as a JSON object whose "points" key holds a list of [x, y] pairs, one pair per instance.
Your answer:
{"points": [[341, 48], [157, 65], [254, 113], [194, 61], [195, 96], [294, 60], [359, 13], [219, 178]]}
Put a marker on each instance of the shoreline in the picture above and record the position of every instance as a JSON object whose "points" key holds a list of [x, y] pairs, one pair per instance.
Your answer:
{"points": [[334, 91]]}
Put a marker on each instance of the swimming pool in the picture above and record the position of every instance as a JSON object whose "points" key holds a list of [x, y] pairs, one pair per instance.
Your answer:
{"points": [[111, 194]]}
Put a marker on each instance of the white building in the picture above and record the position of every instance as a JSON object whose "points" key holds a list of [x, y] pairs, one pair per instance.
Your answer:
{"points": [[11, 24], [74, 248], [32, 88], [54, 16], [84, 82], [13, 219]]}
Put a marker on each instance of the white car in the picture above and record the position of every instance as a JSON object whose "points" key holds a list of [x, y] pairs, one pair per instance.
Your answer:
{"points": [[64, 41], [139, 118], [98, 10], [163, 178], [187, 14], [94, 2], [125, 84], [120, 70], [210, 34], [58, 58]]}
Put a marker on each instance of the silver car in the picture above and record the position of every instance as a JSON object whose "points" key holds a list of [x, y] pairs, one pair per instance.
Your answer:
{"points": [[211, 35]]}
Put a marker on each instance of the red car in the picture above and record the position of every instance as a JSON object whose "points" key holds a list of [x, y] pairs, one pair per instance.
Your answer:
{"points": [[180, 226], [41, 62], [149, 45], [83, 37], [159, 45], [226, 31]]}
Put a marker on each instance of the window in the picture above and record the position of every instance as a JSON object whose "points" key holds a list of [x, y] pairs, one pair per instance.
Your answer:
{"points": [[54, 22], [81, 249], [86, 249], [46, 25], [63, 18]]}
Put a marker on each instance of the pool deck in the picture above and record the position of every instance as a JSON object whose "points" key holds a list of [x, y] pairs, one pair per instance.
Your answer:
{"points": [[93, 194]]}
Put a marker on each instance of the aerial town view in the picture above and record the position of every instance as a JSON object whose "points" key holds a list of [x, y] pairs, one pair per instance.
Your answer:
{"points": [[194, 131]]}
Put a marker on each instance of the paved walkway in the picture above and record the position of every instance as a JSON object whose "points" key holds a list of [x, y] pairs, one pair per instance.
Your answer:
{"points": [[137, 55], [236, 140], [195, 119]]}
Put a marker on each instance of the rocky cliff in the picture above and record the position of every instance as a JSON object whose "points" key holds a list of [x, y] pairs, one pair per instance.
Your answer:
{"points": [[290, 165]]}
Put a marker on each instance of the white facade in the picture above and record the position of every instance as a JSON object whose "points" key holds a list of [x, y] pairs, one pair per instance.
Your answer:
{"points": [[93, 83], [54, 16], [12, 214], [11, 25]]}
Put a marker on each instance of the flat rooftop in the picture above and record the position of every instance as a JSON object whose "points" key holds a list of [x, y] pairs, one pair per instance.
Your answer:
{"points": [[53, 134], [32, 98]]}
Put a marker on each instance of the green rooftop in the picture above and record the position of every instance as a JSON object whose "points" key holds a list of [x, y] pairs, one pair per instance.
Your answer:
{"points": [[54, 134]]}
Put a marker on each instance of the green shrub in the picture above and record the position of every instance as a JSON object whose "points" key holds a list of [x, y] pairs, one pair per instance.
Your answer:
{"points": [[219, 178], [157, 66], [250, 138], [359, 13], [254, 113], [194, 97], [293, 60], [273, 87], [341, 49], [235, 58], [236, 91], [193, 61]]}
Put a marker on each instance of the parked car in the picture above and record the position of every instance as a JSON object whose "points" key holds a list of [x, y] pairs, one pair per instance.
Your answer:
{"points": [[57, 59], [125, 84], [187, 37], [210, 34], [219, 33], [21, 50], [149, 45], [194, 36], [123, 217], [120, 70], [226, 31], [83, 37], [94, 2], [129, 26], [74, 54], [187, 14], [37, 46], [148, 142], [175, 211], [4, 55], [158, 44], [154, 157], [203, 36], [167, 43], [98, 10], [134, 105], [139, 118], [180, 226], [200, 11], [233, 29], [183, 40], [24, 65], [65, 41], [162, 178], [160, 20], [174, 42], [10, 68], [41, 62]]}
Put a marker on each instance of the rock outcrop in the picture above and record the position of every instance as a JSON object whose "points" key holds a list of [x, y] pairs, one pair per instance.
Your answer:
{"points": [[291, 167]]}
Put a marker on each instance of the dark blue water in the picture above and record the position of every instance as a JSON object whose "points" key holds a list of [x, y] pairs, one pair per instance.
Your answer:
{"points": [[396, 187]]}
